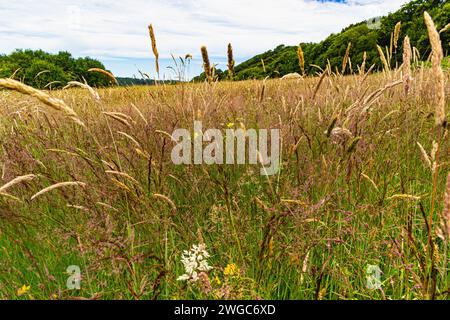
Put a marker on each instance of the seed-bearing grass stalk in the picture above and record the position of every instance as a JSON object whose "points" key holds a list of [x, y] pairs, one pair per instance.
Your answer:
{"points": [[395, 38], [322, 77], [350, 66], [362, 70], [106, 73], [206, 64], [301, 60], [406, 64], [439, 90], [416, 55], [425, 156], [445, 29], [390, 50], [346, 57], [15, 181], [84, 86], [42, 96], [154, 47], [57, 186], [388, 55], [383, 59], [230, 62], [438, 74], [397, 29]]}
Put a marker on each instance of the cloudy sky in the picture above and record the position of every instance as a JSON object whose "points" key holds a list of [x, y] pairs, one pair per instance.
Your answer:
{"points": [[115, 32]]}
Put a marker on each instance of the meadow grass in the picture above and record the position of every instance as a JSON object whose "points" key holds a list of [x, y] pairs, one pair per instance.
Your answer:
{"points": [[353, 190], [86, 180]]}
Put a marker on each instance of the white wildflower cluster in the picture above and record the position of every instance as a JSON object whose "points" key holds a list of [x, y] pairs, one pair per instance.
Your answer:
{"points": [[194, 262]]}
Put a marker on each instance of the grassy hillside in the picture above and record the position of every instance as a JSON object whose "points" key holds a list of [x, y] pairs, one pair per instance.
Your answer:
{"points": [[284, 59]]}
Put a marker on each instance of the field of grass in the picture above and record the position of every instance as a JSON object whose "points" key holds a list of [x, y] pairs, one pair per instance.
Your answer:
{"points": [[354, 190]]}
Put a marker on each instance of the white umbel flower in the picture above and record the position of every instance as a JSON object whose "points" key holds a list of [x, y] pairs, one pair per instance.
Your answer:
{"points": [[194, 261]]}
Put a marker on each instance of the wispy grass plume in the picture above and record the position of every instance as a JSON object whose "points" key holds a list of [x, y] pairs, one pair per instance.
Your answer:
{"points": [[346, 57], [406, 64], [438, 74], [206, 64], [42, 96], [383, 59], [154, 47], [301, 59], [230, 62]]}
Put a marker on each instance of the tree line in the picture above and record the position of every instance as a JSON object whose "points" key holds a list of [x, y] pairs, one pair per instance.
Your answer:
{"points": [[44, 70]]}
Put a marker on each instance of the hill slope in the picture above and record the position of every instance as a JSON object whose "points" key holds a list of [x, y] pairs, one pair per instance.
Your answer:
{"points": [[363, 36]]}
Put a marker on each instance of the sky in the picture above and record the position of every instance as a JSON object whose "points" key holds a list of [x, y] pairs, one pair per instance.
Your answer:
{"points": [[116, 32]]}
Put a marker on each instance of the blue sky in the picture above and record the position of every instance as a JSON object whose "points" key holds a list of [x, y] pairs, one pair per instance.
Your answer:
{"points": [[115, 32]]}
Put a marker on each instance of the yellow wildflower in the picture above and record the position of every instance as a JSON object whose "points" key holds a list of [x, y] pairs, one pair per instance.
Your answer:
{"points": [[230, 125], [218, 280], [23, 290], [231, 270]]}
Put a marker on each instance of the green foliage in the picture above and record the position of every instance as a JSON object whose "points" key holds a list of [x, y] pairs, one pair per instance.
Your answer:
{"points": [[446, 63], [43, 70], [283, 59], [127, 82]]}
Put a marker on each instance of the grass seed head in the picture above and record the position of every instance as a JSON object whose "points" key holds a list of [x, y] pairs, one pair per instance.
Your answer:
{"points": [[397, 33], [406, 64], [301, 59], [438, 74], [206, 64], [346, 57], [42, 96], [230, 61], [383, 58], [154, 47], [106, 73]]}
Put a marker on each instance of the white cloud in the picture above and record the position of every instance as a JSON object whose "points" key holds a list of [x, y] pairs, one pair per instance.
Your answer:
{"points": [[118, 29]]}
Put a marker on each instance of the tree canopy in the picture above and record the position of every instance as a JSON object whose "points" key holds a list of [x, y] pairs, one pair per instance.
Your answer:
{"points": [[44, 70]]}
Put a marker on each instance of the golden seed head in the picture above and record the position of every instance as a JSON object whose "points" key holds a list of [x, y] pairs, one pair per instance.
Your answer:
{"points": [[363, 64], [42, 96], [346, 57], [154, 47], [230, 61], [438, 74], [206, 63], [301, 59], [407, 52], [397, 33], [383, 58]]}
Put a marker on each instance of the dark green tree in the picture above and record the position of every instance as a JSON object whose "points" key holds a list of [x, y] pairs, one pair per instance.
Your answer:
{"points": [[43, 70]]}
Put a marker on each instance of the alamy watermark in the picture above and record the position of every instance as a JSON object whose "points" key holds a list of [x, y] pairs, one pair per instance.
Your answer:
{"points": [[74, 279], [374, 23], [227, 147], [373, 279]]}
